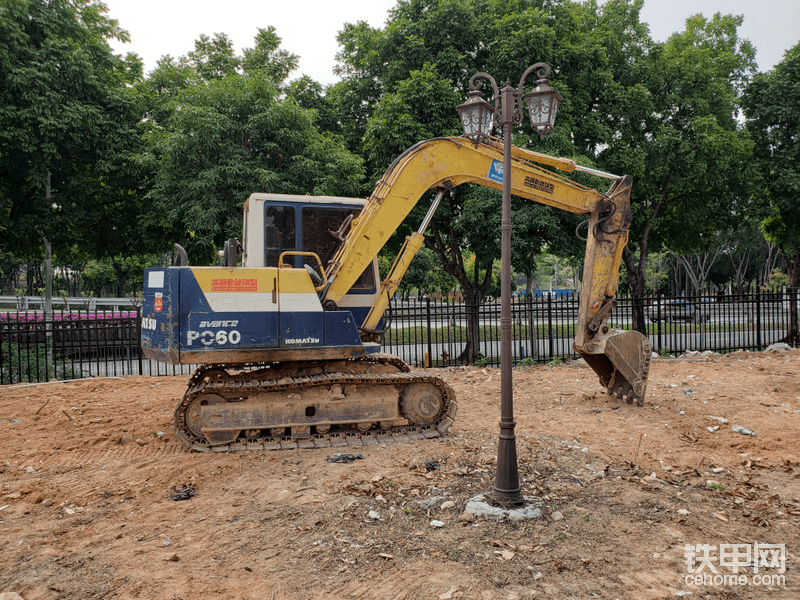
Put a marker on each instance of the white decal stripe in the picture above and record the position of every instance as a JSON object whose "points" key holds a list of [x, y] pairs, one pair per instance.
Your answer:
{"points": [[300, 303], [260, 302], [238, 302]]}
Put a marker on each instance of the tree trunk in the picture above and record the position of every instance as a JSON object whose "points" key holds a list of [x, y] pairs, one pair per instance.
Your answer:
{"points": [[48, 276], [636, 286], [474, 289], [472, 348], [793, 266], [740, 270], [48, 260], [793, 291]]}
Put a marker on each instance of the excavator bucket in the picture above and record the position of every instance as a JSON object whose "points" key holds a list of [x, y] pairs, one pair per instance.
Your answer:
{"points": [[622, 361]]}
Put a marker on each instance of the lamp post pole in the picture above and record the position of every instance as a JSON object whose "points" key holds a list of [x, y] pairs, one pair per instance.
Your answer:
{"points": [[478, 116], [506, 485]]}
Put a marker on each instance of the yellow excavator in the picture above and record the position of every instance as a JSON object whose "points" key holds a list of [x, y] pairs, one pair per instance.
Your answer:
{"points": [[288, 343]]}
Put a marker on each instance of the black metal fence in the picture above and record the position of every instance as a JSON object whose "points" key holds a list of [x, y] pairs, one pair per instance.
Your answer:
{"points": [[77, 344], [74, 345], [434, 334]]}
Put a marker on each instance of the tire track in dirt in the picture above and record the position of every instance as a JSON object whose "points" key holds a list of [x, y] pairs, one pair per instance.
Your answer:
{"points": [[405, 585], [113, 456], [74, 475]]}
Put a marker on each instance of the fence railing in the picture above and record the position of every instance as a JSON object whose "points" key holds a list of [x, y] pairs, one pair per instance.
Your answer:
{"points": [[435, 334], [80, 343], [64, 303], [74, 344]]}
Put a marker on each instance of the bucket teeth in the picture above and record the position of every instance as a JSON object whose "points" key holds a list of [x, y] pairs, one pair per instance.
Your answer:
{"points": [[622, 361]]}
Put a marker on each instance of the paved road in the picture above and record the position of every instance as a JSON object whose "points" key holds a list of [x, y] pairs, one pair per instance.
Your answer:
{"points": [[414, 354]]}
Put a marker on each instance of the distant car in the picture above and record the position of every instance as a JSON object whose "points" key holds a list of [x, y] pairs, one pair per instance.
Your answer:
{"points": [[677, 310]]}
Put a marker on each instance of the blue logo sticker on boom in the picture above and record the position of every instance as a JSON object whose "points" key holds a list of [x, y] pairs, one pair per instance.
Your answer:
{"points": [[496, 171]]}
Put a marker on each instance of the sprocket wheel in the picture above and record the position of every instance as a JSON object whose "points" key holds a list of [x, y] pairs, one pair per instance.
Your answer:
{"points": [[422, 404], [192, 414]]}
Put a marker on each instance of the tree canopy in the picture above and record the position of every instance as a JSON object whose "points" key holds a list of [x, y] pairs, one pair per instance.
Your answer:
{"points": [[218, 133], [103, 161], [677, 135], [772, 106], [68, 129]]}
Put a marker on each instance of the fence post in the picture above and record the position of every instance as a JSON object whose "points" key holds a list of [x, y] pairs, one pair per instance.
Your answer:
{"points": [[793, 335], [139, 337], [658, 321], [758, 317], [532, 327], [430, 346], [550, 323]]}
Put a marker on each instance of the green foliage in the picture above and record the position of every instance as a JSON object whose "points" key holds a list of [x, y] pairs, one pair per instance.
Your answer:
{"points": [[425, 274], [310, 94], [677, 135], [656, 274], [777, 280], [213, 58], [68, 129], [422, 107], [218, 136], [401, 83], [117, 276], [267, 58], [772, 106], [32, 364]]}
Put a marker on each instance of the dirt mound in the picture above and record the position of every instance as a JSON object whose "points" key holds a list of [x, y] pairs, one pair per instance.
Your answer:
{"points": [[88, 472]]}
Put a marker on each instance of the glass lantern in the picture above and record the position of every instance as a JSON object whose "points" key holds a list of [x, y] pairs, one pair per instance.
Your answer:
{"points": [[477, 116], [543, 103]]}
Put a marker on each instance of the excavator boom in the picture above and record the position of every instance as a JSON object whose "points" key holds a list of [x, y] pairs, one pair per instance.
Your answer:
{"points": [[620, 358]]}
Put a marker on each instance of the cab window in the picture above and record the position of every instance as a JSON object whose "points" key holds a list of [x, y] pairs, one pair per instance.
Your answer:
{"points": [[279, 232], [319, 225]]}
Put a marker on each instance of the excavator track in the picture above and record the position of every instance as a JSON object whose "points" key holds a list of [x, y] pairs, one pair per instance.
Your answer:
{"points": [[380, 373]]}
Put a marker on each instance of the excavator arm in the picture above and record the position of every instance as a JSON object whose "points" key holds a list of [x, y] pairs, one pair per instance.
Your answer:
{"points": [[620, 358]]}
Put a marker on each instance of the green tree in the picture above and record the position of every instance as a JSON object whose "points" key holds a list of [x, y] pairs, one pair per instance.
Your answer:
{"points": [[213, 58], [68, 130], [267, 58], [117, 276], [676, 133], [772, 106], [218, 135], [424, 274], [401, 84], [308, 93]]}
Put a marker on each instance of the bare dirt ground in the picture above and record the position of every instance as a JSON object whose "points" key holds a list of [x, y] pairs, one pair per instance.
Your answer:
{"points": [[86, 517]]}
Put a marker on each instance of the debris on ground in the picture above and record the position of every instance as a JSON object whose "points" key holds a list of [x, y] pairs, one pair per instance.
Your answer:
{"points": [[184, 492], [742, 430], [343, 457]]}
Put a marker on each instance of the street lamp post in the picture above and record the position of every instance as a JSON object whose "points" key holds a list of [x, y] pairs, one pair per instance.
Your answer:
{"points": [[477, 117]]}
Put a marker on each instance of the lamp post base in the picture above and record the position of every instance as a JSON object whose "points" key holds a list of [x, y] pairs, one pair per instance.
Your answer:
{"points": [[507, 499], [506, 492], [483, 505]]}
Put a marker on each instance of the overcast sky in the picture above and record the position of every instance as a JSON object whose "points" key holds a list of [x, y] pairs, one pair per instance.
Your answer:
{"points": [[308, 28]]}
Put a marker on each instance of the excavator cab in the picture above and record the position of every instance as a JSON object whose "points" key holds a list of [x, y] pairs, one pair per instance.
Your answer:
{"points": [[275, 224]]}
